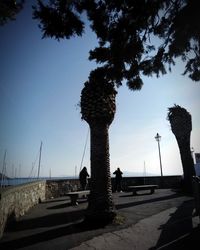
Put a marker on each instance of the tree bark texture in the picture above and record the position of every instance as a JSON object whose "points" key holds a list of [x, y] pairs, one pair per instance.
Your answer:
{"points": [[187, 162], [101, 206]]}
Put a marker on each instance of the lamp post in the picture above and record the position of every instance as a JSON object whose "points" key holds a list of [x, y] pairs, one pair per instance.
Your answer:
{"points": [[192, 153], [158, 138]]}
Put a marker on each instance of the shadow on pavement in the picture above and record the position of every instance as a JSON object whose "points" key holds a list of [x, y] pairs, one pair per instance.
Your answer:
{"points": [[190, 241], [47, 235], [67, 204], [51, 220], [53, 201], [136, 203], [178, 232], [60, 224]]}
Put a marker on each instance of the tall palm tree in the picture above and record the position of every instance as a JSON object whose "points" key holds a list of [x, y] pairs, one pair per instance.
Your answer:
{"points": [[98, 110], [181, 125]]}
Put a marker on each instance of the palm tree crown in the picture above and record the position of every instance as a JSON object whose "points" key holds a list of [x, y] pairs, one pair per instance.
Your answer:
{"points": [[181, 125], [180, 120]]}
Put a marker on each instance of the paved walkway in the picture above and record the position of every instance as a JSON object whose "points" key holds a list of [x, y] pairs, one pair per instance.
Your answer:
{"points": [[162, 220], [146, 234]]}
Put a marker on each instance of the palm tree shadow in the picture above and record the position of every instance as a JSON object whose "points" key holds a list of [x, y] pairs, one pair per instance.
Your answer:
{"points": [[48, 227], [133, 195], [179, 225], [57, 219], [66, 204], [136, 203], [47, 235], [60, 206], [54, 201]]}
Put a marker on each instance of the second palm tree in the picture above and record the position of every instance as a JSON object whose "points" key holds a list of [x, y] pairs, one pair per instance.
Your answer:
{"points": [[98, 110]]}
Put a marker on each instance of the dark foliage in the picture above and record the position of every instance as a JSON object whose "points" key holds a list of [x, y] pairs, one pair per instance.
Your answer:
{"points": [[180, 30], [136, 37], [9, 9], [59, 19]]}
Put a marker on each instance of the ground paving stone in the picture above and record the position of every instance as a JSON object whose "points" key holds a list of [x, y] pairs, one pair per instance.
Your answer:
{"points": [[55, 224]]}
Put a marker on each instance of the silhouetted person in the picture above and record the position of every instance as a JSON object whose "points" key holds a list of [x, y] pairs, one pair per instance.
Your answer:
{"points": [[118, 179], [83, 178]]}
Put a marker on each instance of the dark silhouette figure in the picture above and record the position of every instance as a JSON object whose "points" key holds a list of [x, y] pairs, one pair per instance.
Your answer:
{"points": [[83, 178], [118, 179]]}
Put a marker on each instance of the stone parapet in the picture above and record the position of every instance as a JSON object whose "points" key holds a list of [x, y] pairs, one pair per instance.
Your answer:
{"points": [[15, 201], [170, 181], [56, 188]]}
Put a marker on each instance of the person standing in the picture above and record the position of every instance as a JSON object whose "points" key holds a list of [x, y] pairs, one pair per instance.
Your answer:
{"points": [[83, 178], [118, 180]]}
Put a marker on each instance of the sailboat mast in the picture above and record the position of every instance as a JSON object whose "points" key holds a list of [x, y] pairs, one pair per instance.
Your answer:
{"points": [[39, 160], [3, 169], [84, 149]]}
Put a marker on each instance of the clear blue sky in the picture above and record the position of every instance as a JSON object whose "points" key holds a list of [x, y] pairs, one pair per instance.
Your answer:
{"points": [[40, 86]]}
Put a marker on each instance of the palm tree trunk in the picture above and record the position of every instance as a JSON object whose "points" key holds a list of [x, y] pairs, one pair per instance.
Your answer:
{"points": [[187, 162], [101, 206]]}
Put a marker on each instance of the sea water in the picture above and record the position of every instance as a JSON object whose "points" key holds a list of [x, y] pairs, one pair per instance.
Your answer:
{"points": [[18, 181]]}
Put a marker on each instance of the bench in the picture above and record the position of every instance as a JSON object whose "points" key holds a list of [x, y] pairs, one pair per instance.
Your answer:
{"points": [[77, 194], [134, 189]]}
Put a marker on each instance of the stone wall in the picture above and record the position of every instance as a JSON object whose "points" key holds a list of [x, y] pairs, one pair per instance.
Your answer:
{"points": [[16, 201], [57, 188], [173, 181]]}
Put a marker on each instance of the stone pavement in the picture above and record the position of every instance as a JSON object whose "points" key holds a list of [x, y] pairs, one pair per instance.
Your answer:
{"points": [[162, 220], [143, 235]]}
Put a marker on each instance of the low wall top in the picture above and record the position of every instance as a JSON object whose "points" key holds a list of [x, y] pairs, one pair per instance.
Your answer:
{"points": [[18, 188]]}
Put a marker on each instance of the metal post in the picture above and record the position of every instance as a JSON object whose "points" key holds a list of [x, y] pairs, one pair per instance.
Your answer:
{"points": [[192, 154], [160, 159], [158, 137]]}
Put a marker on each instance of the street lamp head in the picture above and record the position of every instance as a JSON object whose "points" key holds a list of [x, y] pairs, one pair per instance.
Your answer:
{"points": [[157, 137]]}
